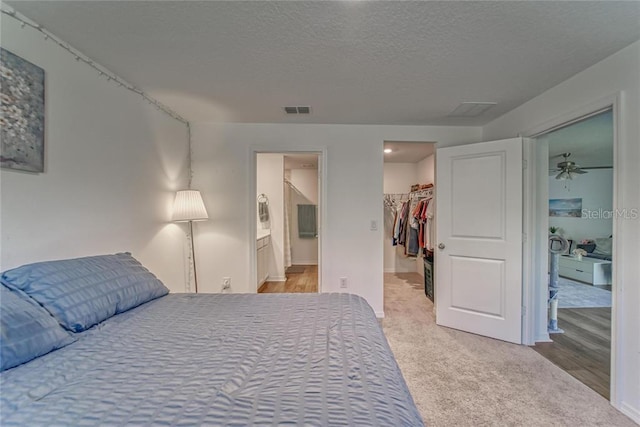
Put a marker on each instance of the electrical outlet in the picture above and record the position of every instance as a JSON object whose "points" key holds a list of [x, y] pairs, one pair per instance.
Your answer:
{"points": [[343, 282], [226, 283], [374, 225]]}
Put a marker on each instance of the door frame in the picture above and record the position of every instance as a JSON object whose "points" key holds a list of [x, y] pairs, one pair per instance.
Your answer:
{"points": [[252, 226], [533, 271]]}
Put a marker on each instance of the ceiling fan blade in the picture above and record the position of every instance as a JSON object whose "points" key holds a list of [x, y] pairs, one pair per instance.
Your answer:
{"points": [[595, 167], [580, 171]]}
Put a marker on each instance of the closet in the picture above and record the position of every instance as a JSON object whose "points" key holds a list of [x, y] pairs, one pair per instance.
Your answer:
{"points": [[413, 230], [407, 251]]}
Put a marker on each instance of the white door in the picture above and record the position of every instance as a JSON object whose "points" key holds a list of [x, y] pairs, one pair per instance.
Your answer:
{"points": [[478, 259]]}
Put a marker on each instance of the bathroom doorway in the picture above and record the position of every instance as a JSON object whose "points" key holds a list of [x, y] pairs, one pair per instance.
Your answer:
{"points": [[288, 187]]}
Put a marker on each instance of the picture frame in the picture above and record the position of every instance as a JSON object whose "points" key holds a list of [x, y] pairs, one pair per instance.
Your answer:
{"points": [[567, 208], [22, 120]]}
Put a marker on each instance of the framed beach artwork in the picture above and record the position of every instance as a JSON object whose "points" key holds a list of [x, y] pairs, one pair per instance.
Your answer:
{"points": [[22, 113], [569, 208]]}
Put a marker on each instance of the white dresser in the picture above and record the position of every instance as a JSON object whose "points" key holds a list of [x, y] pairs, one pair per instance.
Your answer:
{"points": [[590, 270]]}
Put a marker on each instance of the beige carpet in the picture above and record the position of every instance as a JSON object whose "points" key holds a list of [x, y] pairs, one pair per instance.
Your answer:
{"points": [[461, 379]]}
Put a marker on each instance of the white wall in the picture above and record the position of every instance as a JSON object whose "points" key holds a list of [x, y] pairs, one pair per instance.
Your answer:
{"points": [[616, 73], [112, 166], [595, 189], [269, 181], [354, 189], [303, 251], [427, 170]]}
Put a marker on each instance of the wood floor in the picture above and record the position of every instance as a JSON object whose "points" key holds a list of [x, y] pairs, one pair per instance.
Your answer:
{"points": [[584, 350], [305, 282]]}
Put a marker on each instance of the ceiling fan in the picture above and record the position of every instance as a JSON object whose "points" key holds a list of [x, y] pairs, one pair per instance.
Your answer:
{"points": [[567, 169]]}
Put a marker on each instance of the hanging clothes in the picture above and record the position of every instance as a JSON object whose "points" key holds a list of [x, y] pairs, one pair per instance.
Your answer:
{"points": [[400, 232], [413, 245], [430, 231], [395, 230], [413, 223]]}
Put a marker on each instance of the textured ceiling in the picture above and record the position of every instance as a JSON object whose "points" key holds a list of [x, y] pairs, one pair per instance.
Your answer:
{"points": [[352, 62]]}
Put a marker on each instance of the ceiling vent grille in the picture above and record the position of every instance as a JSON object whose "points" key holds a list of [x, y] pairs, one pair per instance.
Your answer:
{"points": [[471, 109], [297, 110]]}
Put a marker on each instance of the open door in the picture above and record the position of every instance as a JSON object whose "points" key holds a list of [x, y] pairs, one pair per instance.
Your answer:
{"points": [[479, 235]]}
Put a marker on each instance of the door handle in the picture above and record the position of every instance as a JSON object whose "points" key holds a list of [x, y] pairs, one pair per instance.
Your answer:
{"points": [[441, 246]]}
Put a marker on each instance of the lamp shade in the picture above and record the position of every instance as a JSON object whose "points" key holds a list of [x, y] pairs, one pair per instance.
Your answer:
{"points": [[188, 206]]}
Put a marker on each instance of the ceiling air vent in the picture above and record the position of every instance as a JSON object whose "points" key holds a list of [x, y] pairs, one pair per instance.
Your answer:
{"points": [[297, 110], [471, 109]]}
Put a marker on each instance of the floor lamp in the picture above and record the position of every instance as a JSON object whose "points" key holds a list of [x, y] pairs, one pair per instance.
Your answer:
{"points": [[188, 207]]}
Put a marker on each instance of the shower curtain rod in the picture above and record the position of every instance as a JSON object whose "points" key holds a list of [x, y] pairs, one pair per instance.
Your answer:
{"points": [[296, 189]]}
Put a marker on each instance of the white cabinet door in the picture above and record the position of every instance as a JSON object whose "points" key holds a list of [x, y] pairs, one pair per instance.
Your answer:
{"points": [[479, 235], [264, 246], [260, 262]]}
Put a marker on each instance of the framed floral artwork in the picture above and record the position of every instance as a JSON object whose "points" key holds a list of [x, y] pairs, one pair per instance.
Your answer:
{"points": [[21, 113]]}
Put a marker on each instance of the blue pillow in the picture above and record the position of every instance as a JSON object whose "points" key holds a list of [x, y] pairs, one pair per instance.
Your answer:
{"points": [[26, 330], [82, 292]]}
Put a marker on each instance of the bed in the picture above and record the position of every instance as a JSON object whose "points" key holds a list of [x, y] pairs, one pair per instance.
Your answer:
{"points": [[208, 359]]}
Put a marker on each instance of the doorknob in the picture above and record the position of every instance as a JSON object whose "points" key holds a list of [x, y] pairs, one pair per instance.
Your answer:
{"points": [[441, 246]]}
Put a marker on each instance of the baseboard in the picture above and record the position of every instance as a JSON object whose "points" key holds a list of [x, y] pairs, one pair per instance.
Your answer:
{"points": [[630, 412], [304, 262], [542, 338], [276, 279], [393, 270], [380, 314]]}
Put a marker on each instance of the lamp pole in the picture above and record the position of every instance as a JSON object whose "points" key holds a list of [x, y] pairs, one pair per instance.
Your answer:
{"points": [[193, 256]]}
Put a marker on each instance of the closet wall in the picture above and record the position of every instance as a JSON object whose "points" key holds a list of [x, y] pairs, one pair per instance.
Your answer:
{"points": [[398, 178], [426, 170]]}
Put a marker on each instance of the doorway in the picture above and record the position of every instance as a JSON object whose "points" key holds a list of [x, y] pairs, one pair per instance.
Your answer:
{"points": [[288, 187], [409, 175], [579, 201]]}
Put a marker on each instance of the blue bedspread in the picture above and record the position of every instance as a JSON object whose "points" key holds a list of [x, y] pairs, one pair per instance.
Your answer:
{"points": [[184, 360]]}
